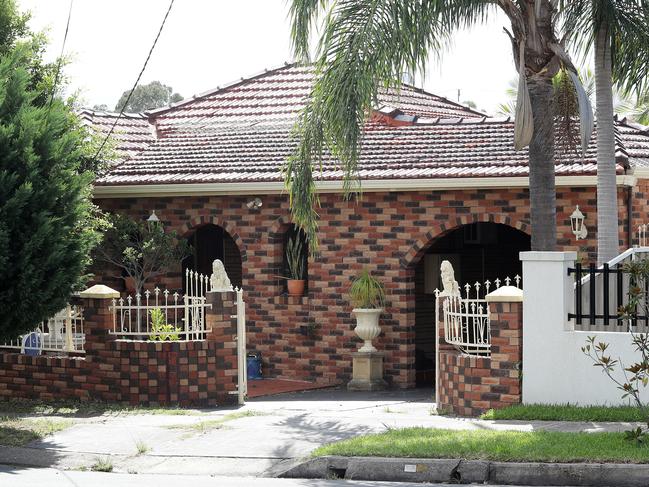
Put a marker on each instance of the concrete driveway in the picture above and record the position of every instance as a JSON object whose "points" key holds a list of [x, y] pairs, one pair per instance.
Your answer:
{"points": [[249, 441]]}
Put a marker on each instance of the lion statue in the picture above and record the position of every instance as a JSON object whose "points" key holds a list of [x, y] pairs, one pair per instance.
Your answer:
{"points": [[449, 284], [219, 280]]}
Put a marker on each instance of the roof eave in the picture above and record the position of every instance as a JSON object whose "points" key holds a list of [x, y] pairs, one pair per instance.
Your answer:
{"points": [[377, 185]]}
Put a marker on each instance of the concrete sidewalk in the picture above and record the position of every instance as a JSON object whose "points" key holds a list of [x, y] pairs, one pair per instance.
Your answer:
{"points": [[275, 430]]}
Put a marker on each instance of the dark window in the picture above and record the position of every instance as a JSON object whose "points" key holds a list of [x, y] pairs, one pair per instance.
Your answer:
{"points": [[291, 234]]}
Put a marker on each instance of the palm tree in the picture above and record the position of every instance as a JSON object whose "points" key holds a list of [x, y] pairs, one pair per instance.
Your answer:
{"points": [[366, 44], [640, 110], [634, 106], [617, 31]]}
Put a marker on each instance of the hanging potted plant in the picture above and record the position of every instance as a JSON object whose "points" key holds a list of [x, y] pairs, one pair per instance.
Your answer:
{"points": [[295, 260], [368, 298]]}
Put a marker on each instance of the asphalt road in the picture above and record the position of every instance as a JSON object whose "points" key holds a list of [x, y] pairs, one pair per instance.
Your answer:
{"points": [[41, 477]]}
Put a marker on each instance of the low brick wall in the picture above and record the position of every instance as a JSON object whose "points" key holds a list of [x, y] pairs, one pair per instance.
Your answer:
{"points": [[470, 385], [44, 378], [196, 373]]}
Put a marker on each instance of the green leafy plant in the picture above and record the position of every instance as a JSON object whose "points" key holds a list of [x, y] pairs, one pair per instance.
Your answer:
{"points": [[141, 250], [160, 329], [635, 375], [295, 257], [367, 292]]}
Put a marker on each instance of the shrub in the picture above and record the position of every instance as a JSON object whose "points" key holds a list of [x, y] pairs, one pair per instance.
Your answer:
{"points": [[367, 292], [161, 330]]}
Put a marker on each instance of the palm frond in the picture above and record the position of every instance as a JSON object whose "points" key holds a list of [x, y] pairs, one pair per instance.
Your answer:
{"points": [[303, 15], [365, 46], [626, 22]]}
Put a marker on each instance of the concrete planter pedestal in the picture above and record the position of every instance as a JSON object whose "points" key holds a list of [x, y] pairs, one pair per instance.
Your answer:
{"points": [[367, 372]]}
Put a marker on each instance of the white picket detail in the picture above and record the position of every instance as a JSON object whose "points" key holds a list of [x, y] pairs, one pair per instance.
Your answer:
{"points": [[184, 315], [63, 333]]}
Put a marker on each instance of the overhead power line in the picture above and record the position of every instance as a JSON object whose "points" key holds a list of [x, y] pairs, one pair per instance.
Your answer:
{"points": [[60, 60], [137, 81]]}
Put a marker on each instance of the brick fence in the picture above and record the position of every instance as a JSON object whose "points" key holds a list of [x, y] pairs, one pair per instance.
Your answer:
{"points": [[471, 385], [185, 373]]}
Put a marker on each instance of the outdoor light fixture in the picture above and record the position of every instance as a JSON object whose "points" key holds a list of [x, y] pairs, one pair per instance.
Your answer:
{"points": [[153, 219], [577, 222], [254, 204]]}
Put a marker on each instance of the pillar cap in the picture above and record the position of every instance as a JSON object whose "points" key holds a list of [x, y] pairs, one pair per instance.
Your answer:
{"points": [[505, 294], [548, 256], [99, 291]]}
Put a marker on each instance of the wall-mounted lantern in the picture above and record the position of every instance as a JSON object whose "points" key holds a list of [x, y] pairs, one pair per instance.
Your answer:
{"points": [[254, 204], [153, 219], [577, 222]]}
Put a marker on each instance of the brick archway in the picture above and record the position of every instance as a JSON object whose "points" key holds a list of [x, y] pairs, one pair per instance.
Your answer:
{"points": [[415, 252], [447, 238], [200, 221]]}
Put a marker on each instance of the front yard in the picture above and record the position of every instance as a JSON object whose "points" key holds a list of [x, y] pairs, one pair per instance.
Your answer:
{"points": [[508, 446], [21, 431]]}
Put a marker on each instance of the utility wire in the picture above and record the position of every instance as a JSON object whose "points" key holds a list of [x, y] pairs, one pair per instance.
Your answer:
{"points": [[60, 61], [121, 112]]}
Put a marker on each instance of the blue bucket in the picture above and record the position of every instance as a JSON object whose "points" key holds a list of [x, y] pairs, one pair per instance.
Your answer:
{"points": [[253, 366]]}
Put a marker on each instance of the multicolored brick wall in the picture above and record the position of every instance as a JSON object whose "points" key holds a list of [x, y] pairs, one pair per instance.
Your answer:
{"points": [[198, 373], [311, 338], [471, 385]]}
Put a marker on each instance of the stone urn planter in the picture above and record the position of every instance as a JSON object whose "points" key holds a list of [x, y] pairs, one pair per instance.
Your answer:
{"points": [[367, 326], [367, 296]]}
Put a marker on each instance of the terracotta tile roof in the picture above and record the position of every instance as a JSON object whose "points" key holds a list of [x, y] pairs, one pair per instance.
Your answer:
{"points": [[133, 132], [242, 133], [273, 98], [443, 149]]}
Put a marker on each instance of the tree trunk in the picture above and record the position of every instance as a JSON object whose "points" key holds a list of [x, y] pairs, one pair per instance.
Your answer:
{"points": [[543, 208], [607, 216]]}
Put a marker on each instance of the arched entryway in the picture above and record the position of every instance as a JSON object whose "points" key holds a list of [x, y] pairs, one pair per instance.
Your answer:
{"points": [[210, 242], [478, 251]]}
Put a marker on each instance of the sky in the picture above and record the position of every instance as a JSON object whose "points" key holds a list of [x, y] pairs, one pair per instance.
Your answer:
{"points": [[208, 43]]}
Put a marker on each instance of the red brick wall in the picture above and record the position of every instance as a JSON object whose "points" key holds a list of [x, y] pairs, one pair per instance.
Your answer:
{"points": [[471, 385], [199, 373], [640, 205], [386, 232]]}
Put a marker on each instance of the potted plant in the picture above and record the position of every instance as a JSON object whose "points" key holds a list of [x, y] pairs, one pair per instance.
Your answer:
{"points": [[295, 260], [368, 298]]}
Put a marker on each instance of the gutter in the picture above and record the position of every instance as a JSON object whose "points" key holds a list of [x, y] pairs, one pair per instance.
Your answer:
{"points": [[368, 186]]}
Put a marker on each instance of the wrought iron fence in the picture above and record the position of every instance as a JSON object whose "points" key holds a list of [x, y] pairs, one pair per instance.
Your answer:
{"points": [[160, 315], [467, 322], [600, 292], [62, 333]]}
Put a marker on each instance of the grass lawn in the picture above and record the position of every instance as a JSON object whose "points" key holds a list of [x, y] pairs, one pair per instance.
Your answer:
{"points": [[542, 412], [541, 446], [19, 432], [12, 407]]}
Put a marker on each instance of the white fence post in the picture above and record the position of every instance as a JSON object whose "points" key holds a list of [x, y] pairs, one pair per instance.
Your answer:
{"points": [[242, 382], [547, 300]]}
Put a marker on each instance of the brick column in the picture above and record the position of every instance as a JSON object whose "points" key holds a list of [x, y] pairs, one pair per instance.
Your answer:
{"points": [[470, 385], [506, 308], [222, 321], [103, 382]]}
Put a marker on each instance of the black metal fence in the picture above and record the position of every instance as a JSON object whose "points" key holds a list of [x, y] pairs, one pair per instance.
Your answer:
{"points": [[600, 292]]}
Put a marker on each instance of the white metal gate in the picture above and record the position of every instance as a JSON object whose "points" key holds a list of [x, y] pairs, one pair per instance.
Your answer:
{"points": [[242, 382], [198, 285]]}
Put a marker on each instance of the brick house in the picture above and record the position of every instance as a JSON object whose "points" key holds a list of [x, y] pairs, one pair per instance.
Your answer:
{"points": [[440, 181]]}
